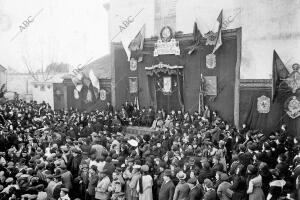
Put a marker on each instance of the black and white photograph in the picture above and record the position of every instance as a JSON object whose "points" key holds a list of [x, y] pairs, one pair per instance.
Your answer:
{"points": [[149, 100]]}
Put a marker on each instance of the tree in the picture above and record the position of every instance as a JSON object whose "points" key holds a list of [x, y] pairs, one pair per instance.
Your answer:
{"points": [[58, 68]]}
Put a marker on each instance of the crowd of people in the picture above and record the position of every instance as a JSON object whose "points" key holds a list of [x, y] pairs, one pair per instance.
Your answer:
{"points": [[47, 154]]}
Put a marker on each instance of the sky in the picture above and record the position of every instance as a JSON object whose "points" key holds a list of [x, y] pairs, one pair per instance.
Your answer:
{"points": [[69, 31]]}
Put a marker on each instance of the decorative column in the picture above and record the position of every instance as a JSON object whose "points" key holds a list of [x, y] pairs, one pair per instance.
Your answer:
{"points": [[65, 96], [236, 108]]}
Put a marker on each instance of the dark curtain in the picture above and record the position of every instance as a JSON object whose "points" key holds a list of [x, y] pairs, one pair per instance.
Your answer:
{"points": [[273, 120], [264, 121]]}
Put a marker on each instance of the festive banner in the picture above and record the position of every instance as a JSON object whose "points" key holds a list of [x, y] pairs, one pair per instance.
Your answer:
{"points": [[76, 94], [138, 43], [279, 72], [94, 79], [131, 31], [219, 39]]}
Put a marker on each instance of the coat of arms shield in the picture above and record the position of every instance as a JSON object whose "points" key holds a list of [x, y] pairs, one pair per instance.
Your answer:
{"points": [[211, 61], [133, 64], [102, 95], [263, 104], [293, 107]]}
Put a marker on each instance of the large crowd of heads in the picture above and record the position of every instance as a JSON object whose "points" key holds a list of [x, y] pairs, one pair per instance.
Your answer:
{"points": [[47, 154]]}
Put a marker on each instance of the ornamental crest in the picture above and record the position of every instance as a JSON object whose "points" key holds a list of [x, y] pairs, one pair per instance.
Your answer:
{"points": [[102, 95], [211, 61], [211, 38], [293, 81], [133, 64], [293, 107], [263, 104]]}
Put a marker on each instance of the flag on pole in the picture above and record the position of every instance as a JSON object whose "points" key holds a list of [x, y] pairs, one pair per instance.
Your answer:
{"points": [[219, 35], [197, 37], [129, 33], [94, 80], [76, 94], [136, 102], [279, 72], [137, 43]]}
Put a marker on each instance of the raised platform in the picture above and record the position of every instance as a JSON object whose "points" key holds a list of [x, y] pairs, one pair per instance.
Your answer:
{"points": [[138, 130]]}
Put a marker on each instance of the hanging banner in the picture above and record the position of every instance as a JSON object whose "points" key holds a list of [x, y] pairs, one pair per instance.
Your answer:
{"points": [[165, 48], [292, 107], [263, 104], [133, 85]]}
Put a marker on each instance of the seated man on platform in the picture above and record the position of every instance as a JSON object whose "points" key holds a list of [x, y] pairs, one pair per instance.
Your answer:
{"points": [[143, 117], [134, 120], [150, 116], [124, 117]]}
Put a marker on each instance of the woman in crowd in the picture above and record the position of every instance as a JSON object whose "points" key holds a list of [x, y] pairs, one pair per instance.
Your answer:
{"points": [[46, 154], [145, 183]]}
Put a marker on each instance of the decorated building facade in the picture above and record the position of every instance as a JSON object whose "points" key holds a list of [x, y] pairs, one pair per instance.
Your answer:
{"points": [[169, 75]]}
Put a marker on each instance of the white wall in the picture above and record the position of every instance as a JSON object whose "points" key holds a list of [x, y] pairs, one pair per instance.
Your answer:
{"points": [[2, 78], [266, 25], [43, 95]]}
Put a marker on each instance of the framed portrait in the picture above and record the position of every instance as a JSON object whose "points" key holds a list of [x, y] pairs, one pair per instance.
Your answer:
{"points": [[211, 85], [133, 85]]}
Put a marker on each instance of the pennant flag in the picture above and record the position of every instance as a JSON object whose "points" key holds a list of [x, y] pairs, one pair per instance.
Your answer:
{"points": [[137, 44], [76, 94], [86, 81], [197, 37], [77, 80], [77, 83], [219, 35], [89, 97], [136, 102], [131, 31], [94, 80], [279, 72]]}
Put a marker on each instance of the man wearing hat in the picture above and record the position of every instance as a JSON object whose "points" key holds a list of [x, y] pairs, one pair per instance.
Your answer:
{"points": [[58, 184], [93, 181], [182, 188], [74, 162], [145, 183], [102, 192], [64, 194], [210, 193], [195, 192], [133, 195], [222, 190], [167, 188]]}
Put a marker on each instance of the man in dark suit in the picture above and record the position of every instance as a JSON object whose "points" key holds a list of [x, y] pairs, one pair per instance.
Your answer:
{"points": [[167, 189], [195, 191], [108, 108]]}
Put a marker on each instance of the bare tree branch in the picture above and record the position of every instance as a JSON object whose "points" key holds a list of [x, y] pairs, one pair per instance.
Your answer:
{"points": [[29, 69]]}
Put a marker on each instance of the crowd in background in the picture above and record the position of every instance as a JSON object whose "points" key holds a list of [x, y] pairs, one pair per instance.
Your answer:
{"points": [[46, 154]]}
